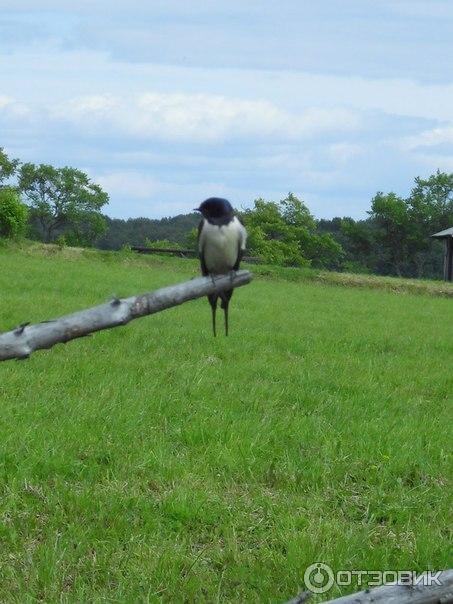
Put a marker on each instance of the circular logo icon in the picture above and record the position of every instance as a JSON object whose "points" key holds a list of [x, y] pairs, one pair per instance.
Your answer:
{"points": [[319, 578]]}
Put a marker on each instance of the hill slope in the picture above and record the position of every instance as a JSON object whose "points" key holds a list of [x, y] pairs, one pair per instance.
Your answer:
{"points": [[156, 462]]}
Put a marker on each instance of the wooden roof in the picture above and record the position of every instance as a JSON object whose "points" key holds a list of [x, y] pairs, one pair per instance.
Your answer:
{"points": [[444, 234]]}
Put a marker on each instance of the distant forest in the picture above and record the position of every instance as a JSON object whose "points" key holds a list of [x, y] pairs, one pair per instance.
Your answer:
{"points": [[393, 240], [360, 253], [63, 206], [137, 231]]}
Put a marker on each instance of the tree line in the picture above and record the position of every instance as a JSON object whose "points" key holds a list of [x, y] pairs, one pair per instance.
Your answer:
{"points": [[63, 205], [48, 203]]}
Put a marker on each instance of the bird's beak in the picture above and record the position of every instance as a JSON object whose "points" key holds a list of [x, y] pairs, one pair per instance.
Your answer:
{"points": [[196, 210]]}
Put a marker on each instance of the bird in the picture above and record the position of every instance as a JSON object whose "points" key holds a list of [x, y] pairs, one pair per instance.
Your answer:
{"points": [[221, 244]]}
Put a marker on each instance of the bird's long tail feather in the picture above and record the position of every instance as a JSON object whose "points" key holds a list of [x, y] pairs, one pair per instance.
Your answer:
{"points": [[225, 297]]}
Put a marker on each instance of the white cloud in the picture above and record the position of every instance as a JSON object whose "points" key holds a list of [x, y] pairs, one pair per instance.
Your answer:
{"points": [[134, 194], [128, 184], [239, 133], [430, 138], [430, 162], [199, 117], [342, 153], [441, 9], [4, 101], [56, 74], [11, 107]]}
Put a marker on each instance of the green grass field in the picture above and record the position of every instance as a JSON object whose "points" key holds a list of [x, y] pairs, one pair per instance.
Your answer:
{"points": [[153, 462]]}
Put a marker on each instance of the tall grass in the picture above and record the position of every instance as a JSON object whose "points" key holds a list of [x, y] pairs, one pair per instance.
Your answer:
{"points": [[154, 462]]}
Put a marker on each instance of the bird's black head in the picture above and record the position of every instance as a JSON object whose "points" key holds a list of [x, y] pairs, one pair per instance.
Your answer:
{"points": [[216, 209]]}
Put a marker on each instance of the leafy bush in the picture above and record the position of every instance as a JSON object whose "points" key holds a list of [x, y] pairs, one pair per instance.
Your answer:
{"points": [[125, 252], [13, 214], [284, 233], [61, 241], [192, 239], [274, 251]]}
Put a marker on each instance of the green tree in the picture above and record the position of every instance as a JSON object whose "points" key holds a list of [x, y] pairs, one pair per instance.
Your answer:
{"points": [[430, 204], [324, 251], [13, 213], [270, 236], [63, 201], [295, 213], [8, 166], [135, 231], [404, 226], [285, 233], [191, 239], [391, 216], [359, 243], [86, 229], [430, 208]]}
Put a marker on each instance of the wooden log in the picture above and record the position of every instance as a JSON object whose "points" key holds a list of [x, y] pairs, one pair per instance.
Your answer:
{"points": [[142, 249], [25, 339]]}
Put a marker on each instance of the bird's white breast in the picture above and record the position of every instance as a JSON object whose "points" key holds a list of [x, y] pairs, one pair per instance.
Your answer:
{"points": [[220, 245]]}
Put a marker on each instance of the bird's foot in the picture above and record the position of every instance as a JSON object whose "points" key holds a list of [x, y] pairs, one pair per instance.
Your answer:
{"points": [[232, 275], [212, 278]]}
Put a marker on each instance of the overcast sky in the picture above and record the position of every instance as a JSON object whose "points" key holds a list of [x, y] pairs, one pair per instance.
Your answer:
{"points": [[167, 102]]}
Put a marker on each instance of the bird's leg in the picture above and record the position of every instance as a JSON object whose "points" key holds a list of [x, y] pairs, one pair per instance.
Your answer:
{"points": [[212, 278], [232, 274], [213, 302], [225, 310], [224, 305], [213, 308], [225, 298]]}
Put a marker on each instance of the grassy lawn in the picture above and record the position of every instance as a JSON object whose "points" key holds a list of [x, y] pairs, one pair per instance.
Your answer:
{"points": [[154, 462]]}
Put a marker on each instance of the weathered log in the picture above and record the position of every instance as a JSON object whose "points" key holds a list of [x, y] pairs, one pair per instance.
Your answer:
{"points": [[25, 339], [143, 249]]}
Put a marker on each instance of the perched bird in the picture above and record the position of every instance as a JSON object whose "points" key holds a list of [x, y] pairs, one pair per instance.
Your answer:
{"points": [[221, 244]]}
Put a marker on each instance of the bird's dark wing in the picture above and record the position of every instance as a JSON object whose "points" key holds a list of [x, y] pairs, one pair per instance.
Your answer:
{"points": [[239, 258], [241, 245], [204, 270]]}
